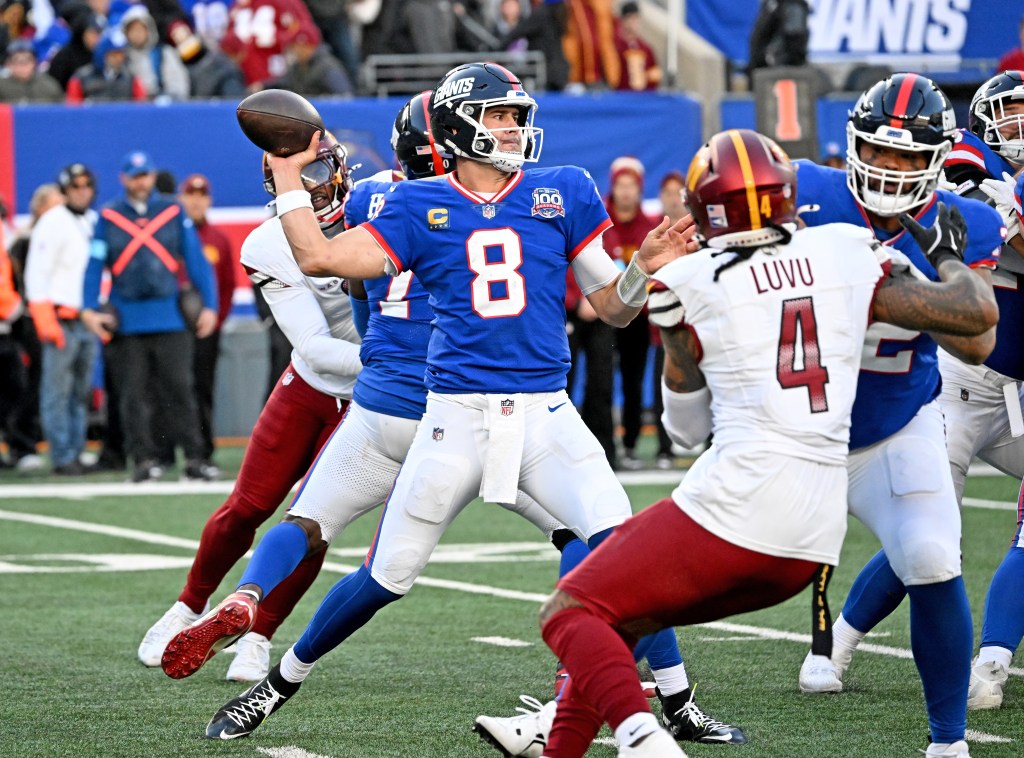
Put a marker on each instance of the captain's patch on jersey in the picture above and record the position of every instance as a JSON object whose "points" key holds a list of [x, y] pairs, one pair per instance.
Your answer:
{"points": [[437, 218], [547, 203]]}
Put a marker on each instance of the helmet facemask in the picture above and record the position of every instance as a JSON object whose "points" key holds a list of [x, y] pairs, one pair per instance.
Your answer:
{"points": [[486, 146], [326, 179], [992, 113], [888, 192]]}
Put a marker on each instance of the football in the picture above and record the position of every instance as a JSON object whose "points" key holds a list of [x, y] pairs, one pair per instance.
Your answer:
{"points": [[278, 121]]}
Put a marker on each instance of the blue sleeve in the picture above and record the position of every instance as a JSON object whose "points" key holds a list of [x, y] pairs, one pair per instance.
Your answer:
{"points": [[589, 216], [355, 205], [200, 272], [94, 271], [360, 314], [390, 227], [987, 229]]}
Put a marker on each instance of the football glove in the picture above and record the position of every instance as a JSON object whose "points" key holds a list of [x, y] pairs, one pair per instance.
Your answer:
{"points": [[945, 239]]}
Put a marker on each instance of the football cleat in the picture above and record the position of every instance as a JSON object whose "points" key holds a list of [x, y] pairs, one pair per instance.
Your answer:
{"points": [[196, 644], [153, 644], [523, 736], [252, 659], [687, 722], [818, 675], [657, 744], [956, 749], [240, 716], [986, 688]]}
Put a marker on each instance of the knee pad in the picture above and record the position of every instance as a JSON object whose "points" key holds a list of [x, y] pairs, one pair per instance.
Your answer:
{"points": [[926, 561], [438, 482], [914, 465]]}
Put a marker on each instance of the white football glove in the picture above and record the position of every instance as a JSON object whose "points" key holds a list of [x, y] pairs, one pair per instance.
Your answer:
{"points": [[945, 184], [1001, 193]]}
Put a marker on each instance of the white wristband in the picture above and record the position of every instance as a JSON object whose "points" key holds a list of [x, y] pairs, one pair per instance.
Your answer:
{"points": [[293, 200], [632, 285]]}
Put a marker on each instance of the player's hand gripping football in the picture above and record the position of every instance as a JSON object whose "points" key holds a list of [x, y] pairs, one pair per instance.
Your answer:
{"points": [[666, 242], [287, 170], [945, 239]]}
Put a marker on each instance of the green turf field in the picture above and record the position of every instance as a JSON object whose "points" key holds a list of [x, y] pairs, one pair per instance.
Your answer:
{"points": [[76, 597]]}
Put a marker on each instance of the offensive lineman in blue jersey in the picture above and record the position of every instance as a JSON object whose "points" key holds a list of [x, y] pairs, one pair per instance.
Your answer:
{"points": [[982, 404], [898, 136], [431, 492]]}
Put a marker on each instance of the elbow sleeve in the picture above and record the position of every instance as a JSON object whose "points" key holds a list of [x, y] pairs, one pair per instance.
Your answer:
{"points": [[687, 415]]}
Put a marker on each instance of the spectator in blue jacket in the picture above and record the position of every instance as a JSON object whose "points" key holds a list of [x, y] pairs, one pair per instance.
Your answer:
{"points": [[143, 239]]}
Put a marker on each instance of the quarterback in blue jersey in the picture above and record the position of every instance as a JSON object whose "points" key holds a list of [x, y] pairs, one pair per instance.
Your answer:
{"points": [[435, 485], [899, 134]]}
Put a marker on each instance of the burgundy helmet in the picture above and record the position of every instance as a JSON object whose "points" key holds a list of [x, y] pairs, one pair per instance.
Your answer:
{"points": [[741, 189], [326, 178]]}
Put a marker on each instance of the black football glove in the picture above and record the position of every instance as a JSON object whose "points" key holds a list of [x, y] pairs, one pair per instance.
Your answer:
{"points": [[945, 239]]}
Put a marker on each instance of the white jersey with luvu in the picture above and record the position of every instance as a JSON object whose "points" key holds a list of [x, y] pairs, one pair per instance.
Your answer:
{"points": [[58, 253], [780, 339], [313, 312]]}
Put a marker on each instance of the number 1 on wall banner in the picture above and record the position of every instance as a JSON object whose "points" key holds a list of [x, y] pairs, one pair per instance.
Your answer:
{"points": [[787, 122]]}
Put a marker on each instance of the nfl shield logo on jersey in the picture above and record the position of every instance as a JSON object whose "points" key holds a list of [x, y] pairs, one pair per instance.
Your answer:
{"points": [[438, 433], [547, 203], [489, 211], [507, 406]]}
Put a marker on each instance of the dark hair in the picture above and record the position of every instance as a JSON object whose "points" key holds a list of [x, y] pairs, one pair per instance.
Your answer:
{"points": [[629, 7]]}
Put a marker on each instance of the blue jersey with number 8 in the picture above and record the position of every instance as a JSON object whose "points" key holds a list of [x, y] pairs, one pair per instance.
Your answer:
{"points": [[494, 268]]}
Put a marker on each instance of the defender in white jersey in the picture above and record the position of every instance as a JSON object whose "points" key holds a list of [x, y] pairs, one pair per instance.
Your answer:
{"points": [[307, 403], [763, 336]]}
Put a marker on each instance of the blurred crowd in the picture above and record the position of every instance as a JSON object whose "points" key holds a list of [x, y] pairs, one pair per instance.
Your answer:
{"points": [[110, 325], [170, 50], [111, 317]]}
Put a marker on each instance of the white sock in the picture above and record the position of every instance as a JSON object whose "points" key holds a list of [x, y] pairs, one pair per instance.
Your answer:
{"points": [[636, 726], [292, 669], [845, 640], [251, 593], [185, 611], [993, 654], [671, 680]]}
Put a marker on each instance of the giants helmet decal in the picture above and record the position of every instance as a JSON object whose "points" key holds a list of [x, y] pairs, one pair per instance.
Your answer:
{"points": [[905, 112], [989, 116], [741, 189], [326, 179], [457, 107], [413, 142]]}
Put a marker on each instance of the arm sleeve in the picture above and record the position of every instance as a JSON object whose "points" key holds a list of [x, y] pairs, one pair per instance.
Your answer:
{"points": [[298, 313], [39, 260], [687, 415], [593, 268], [199, 270], [360, 314], [94, 271]]}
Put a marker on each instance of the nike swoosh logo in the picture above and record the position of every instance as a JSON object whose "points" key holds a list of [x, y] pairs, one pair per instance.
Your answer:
{"points": [[634, 730], [552, 410]]}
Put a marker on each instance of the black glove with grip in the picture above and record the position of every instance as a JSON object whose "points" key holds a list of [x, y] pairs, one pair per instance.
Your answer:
{"points": [[945, 239]]}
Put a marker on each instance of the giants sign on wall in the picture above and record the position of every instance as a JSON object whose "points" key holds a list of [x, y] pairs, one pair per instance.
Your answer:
{"points": [[937, 32]]}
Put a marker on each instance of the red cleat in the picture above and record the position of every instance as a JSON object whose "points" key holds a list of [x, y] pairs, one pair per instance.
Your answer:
{"points": [[194, 645]]}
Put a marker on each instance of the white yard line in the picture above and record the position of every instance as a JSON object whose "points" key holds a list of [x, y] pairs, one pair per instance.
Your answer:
{"points": [[288, 752], [746, 630]]}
